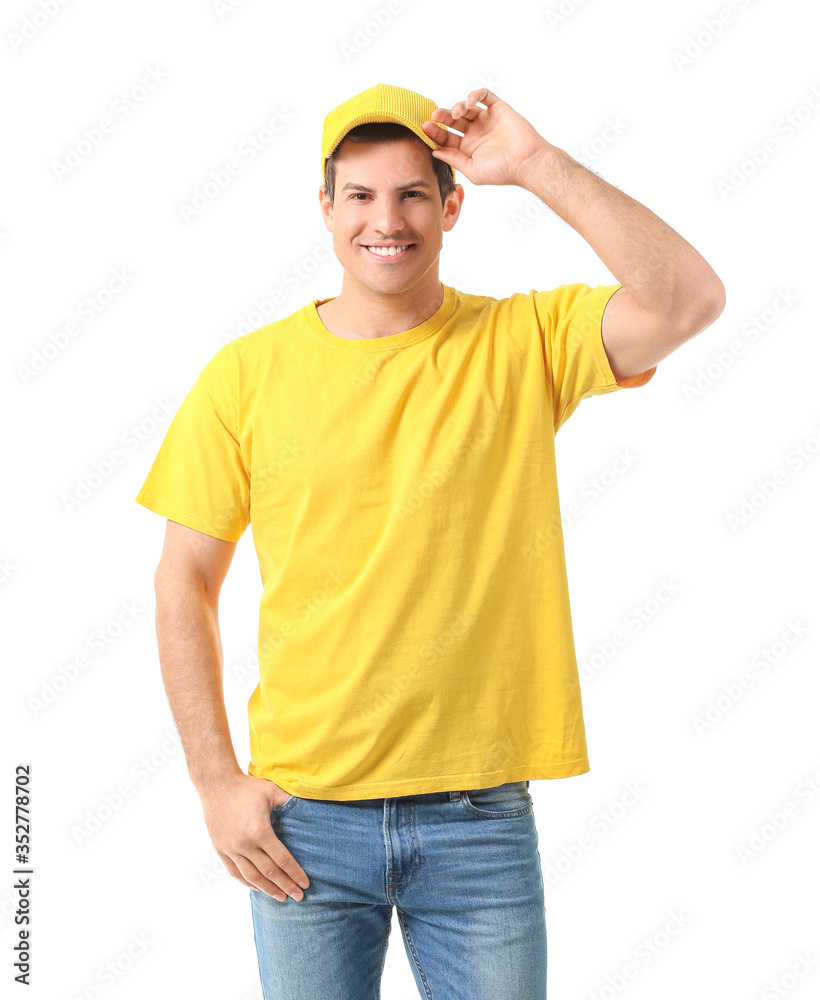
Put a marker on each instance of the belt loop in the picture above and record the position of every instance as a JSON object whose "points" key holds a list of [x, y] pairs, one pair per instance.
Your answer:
{"points": [[454, 796]]}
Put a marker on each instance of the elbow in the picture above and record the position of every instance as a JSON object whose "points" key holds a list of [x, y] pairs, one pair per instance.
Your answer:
{"points": [[707, 303], [716, 298]]}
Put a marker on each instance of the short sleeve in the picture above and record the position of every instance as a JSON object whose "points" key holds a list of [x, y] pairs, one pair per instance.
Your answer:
{"points": [[569, 319], [199, 476]]}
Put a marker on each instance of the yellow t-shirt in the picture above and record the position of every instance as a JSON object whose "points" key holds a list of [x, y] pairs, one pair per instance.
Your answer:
{"points": [[414, 622]]}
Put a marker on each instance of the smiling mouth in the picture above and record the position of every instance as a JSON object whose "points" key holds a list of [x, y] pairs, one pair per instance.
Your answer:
{"points": [[389, 253]]}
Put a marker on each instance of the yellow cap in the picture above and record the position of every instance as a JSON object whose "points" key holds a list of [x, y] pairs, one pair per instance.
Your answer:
{"points": [[382, 103]]}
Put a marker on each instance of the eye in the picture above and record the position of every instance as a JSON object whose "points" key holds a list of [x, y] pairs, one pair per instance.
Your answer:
{"points": [[363, 194]]}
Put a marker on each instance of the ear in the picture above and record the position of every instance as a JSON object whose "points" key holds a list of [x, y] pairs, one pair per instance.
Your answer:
{"points": [[326, 209]]}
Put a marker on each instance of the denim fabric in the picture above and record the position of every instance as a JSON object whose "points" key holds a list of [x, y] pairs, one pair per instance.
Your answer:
{"points": [[463, 871]]}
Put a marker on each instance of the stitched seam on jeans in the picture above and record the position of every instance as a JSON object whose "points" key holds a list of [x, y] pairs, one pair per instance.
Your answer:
{"points": [[383, 954], [414, 953]]}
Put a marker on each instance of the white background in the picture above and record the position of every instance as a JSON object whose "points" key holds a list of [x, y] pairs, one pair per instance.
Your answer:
{"points": [[691, 97]]}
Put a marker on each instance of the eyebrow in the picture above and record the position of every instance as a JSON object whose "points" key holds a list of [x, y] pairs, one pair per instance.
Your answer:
{"points": [[353, 186]]}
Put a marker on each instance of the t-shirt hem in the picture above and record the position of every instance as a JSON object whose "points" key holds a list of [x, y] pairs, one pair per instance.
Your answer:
{"points": [[185, 517], [422, 786], [603, 365]]}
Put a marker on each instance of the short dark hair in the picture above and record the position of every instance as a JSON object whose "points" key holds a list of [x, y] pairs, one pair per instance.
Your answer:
{"points": [[388, 132]]}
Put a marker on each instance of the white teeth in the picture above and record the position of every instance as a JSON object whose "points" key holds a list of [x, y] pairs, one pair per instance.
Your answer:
{"points": [[387, 251]]}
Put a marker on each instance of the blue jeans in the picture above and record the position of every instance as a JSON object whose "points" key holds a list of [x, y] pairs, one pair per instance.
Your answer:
{"points": [[462, 869]]}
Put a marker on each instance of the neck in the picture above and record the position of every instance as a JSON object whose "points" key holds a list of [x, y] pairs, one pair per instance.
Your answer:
{"points": [[360, 313]]}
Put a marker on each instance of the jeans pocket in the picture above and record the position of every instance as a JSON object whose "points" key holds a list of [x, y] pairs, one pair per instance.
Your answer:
{"points": [[283, 806], [499, 802]]}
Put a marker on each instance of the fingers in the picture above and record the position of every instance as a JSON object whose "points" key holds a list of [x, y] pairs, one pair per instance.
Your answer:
{"points": [[467, 110], [273, 877], [245, 871], [272, 848], [440, 135], [231, 868], [252, 877], [239, 824], [266, 864]]}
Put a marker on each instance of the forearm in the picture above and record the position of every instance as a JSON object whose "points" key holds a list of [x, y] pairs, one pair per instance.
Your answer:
{"points": [[663, 272], [190, 653]]}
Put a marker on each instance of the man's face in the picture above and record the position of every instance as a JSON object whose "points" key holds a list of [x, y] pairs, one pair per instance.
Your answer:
{"points": [[385, 214]]}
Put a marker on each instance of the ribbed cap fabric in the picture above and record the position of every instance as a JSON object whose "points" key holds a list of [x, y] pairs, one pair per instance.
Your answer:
{"points": [[382, 103]]}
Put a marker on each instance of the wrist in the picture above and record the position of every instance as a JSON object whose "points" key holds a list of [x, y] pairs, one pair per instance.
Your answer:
{"points": [[538, 171], [208, 781]]}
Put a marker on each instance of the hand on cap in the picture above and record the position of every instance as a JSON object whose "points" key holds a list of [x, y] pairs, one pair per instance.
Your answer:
{"points": [[497, 141]]}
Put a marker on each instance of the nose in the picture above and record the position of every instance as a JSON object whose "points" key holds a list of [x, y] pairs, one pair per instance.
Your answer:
{"points": [[387, 219]]}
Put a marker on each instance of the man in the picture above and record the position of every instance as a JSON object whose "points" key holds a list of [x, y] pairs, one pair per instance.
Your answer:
{"points": [[393, 450]]}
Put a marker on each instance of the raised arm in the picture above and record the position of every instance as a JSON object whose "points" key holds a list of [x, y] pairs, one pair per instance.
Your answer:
{"points": [[670, 293]]}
